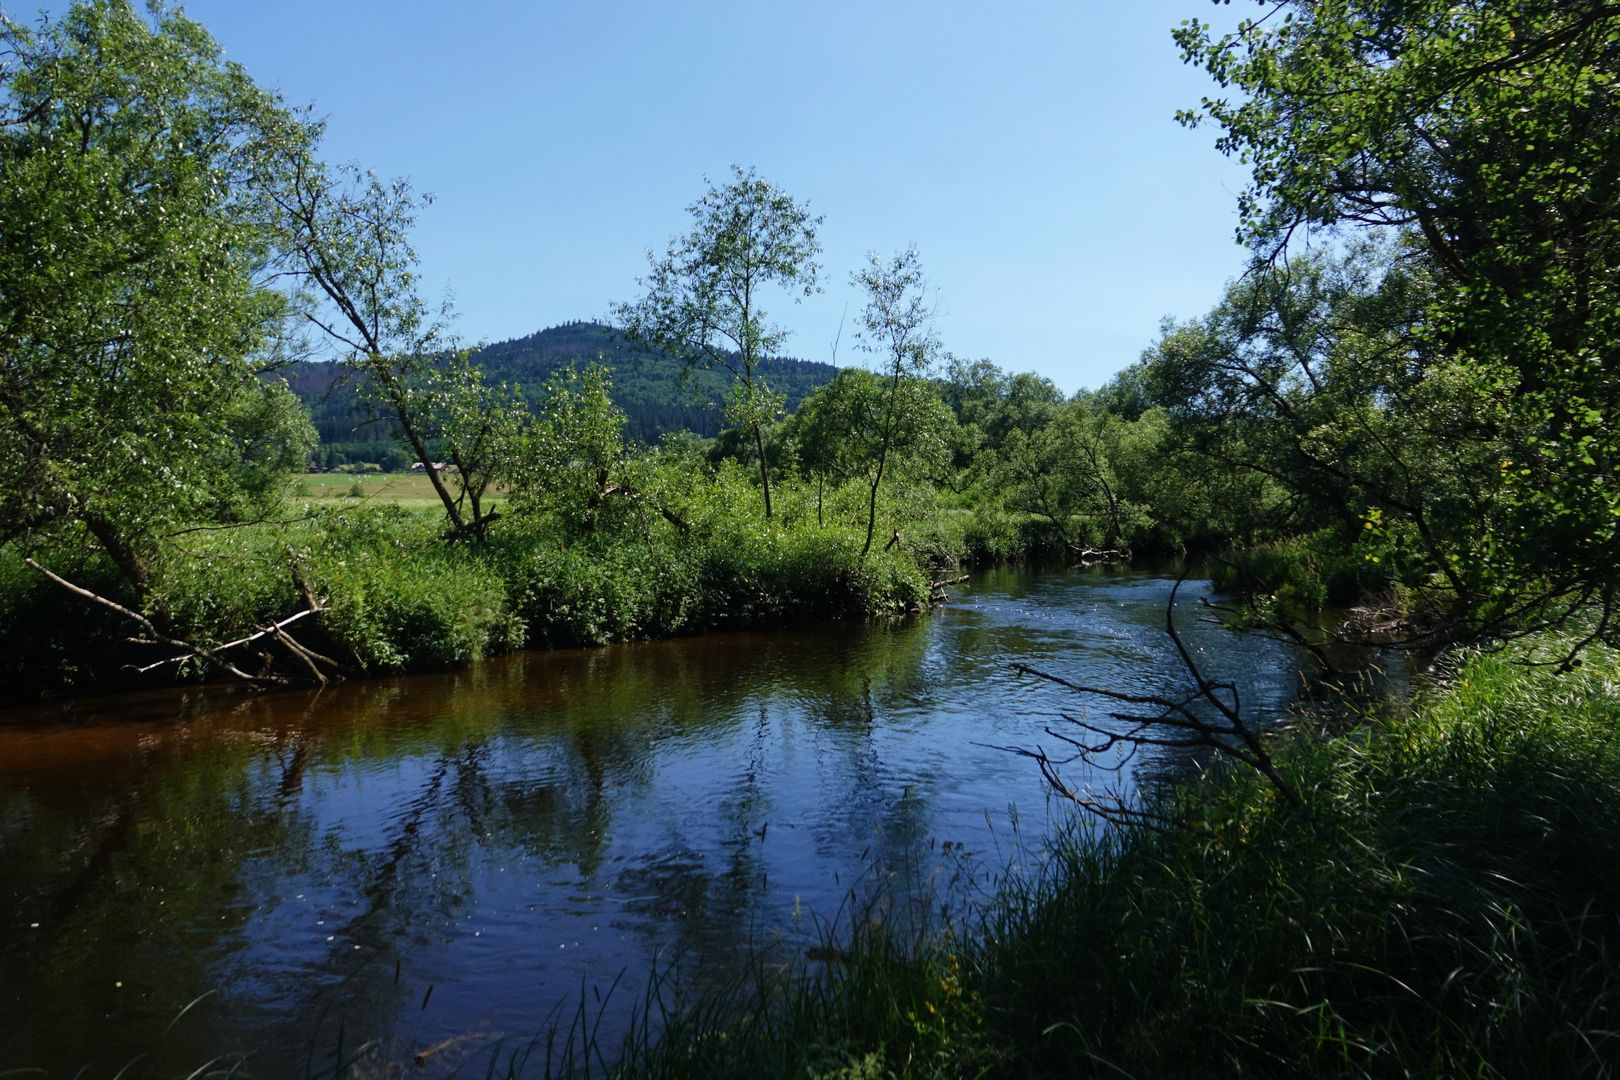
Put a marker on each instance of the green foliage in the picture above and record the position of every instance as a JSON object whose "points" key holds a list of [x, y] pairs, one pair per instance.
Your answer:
{"points": [[1086, 471], [702, 299], [132, 321], [727, 569], [217, 585], [991, 404], [1446, 919], [1303, 573], [993, 534], [593, 595], [50, 640], [1305, 379], [1484, 137], [398, 599], [756, 574], [860, 426], [572, 461]]}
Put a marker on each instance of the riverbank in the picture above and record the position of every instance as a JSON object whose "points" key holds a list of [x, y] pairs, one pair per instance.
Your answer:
{"points": [[393, 595], [1452, 911], [318, 860]]}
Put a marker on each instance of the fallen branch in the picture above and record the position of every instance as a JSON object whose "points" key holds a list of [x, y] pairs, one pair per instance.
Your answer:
{"points": [[276, 631], [1089, 555], [1108, 806], [142, 621], [273, 630], [1153, 720]]}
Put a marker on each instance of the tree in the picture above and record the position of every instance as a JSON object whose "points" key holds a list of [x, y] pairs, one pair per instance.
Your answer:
{"points": [[1484, 134], [896, 325], [1086, 463], [870, 427], [571, 460], [822, 428], [135, 322], [345, 235], [702, 300]]}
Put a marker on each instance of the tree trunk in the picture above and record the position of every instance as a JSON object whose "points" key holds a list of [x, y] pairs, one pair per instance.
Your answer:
{"points": [[764, 470], [871, 505], [124, 556]]}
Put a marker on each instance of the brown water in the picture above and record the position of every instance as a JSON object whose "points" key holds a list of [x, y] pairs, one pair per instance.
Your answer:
{"points": [[433, 857]]}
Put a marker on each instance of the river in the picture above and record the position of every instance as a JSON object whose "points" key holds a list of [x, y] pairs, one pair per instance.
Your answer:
{"points": [[461, 856]]}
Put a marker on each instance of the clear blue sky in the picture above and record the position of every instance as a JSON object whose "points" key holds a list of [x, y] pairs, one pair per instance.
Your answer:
{"points": [[1029, 150]]}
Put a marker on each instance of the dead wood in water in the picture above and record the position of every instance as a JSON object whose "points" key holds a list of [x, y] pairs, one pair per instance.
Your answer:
{"points": [[1090, 556]]}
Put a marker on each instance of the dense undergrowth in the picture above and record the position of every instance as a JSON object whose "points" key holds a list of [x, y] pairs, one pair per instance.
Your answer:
{"points": [[398, 597], [1452, 911]]}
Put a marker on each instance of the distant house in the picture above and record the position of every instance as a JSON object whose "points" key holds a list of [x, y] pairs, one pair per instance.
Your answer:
{"points": [[438, 466]]}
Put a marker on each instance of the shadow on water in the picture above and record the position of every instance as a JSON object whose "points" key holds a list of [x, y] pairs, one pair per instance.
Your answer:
{"points": [[423, 858]]}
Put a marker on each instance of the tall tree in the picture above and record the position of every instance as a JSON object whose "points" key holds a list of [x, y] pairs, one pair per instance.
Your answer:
{"points": [[134, 319], [1484, 133], [703, 295], [345, 235], [1081, 470], [896, 326]]}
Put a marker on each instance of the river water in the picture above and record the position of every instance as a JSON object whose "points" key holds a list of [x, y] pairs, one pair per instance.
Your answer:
{"points": [[461, 856]]}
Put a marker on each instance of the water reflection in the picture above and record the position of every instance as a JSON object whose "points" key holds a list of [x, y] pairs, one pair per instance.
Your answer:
{"points": [[427, 857]]}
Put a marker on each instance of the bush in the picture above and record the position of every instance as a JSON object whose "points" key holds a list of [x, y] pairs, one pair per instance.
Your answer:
{"points": [[399, 598], [592, 595], [51, 641], [1305, 573]]}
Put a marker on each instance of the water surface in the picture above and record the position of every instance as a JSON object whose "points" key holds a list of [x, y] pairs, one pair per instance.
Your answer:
{"points": [[431, 857]]}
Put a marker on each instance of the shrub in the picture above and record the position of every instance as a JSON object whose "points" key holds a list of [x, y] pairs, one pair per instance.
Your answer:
{"points": [[400, 598]]}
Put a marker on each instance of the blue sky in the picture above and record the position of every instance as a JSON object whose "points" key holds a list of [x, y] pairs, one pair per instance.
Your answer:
{"points": [[1029, 150]]}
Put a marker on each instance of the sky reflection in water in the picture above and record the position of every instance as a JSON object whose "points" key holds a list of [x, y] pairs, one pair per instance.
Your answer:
{"points": [[520, 833]]}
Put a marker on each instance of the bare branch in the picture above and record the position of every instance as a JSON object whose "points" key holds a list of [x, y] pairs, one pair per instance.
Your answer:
{"points": [[1174, 723]]}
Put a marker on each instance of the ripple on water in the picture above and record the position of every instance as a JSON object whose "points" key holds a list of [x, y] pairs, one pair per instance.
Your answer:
{"points": [[425, 857]]}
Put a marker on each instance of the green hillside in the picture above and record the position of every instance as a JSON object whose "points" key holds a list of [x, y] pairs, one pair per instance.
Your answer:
{"points": [[654, 390]]}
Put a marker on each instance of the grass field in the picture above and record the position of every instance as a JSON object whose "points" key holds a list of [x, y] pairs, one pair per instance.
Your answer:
{"points": [[401, 489]]}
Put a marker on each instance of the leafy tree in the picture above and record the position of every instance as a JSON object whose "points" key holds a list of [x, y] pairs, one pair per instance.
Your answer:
{"points": [[1484, 134], [134, 324], [1087, 463], [896, 325], [346, 235], [865, 426], [821, 431], [1306, 377], [703, 296], [572, 459]]}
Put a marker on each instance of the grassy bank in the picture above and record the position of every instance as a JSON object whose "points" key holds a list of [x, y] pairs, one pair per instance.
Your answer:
{"points": [[682, 548], [397, 596], [1453, 911]]}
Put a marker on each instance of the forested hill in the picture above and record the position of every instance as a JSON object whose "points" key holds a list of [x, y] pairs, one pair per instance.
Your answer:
{"points": [[647, 385]]}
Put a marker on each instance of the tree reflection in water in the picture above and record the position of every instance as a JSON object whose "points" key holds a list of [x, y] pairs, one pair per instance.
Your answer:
{"points": [[493, 840]]}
